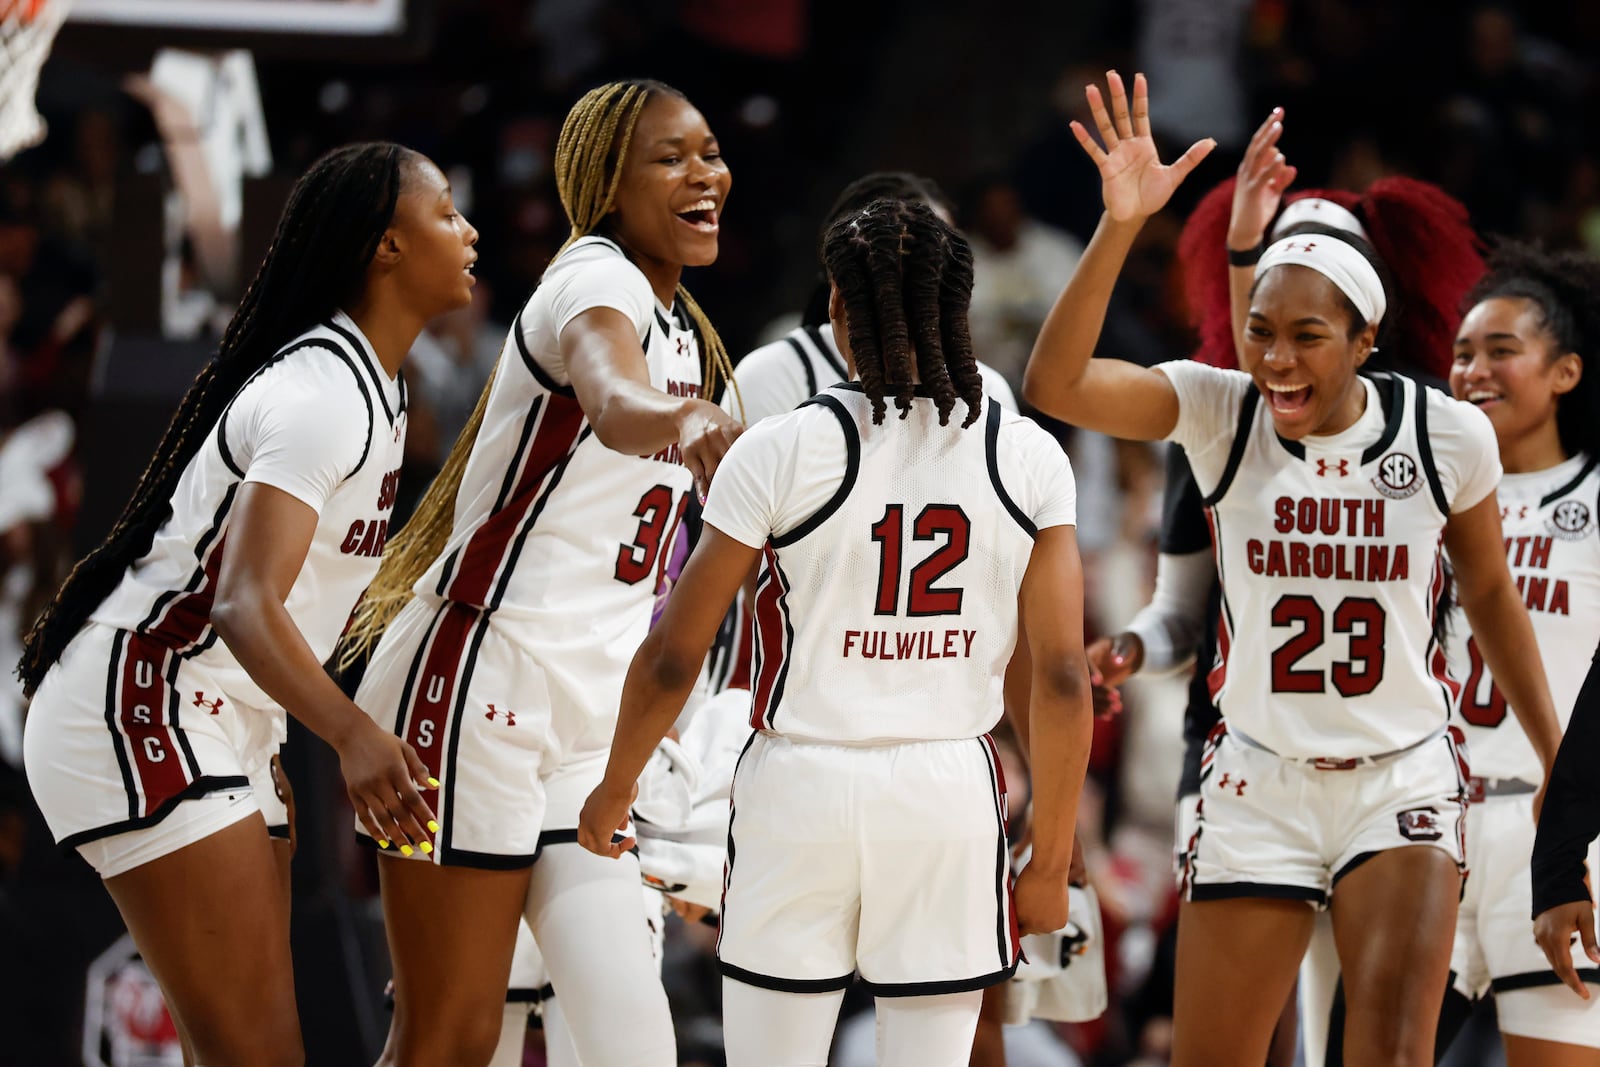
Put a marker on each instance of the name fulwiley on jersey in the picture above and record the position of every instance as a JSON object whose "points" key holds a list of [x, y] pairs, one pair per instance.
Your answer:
{"points": [[915, 644], [1328, 518]]}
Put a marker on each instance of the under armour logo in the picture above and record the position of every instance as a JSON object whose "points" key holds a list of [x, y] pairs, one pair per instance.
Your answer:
{"points": [[1342, 468], [398, 431], [1238, 787], [1521, 513], [1302, 246], [683, 346], [511, 716], [200, 701]]}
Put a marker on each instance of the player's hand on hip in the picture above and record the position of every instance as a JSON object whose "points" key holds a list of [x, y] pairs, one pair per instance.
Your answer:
{"points": [[704, 434], [1263, 176], [1557, 929], [385, 777], [604, 816], [1134, 183], [1040, 898]]}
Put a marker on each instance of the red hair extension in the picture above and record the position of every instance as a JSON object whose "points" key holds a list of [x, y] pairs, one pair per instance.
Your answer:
{"points": [[1425, 237]]}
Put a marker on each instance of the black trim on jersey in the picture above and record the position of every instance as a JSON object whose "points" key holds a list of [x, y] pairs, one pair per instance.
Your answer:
{"points": [[785, 985], [1268, 890], [1538, 979], [782, 680], [1355, 861], [552, 482], [222, 420], [1556, 494], [1002, 864], [991, 449], [852, 467], [222, 443], [453, 747], [541, 375], [200, 787], [198, 576], [1425, 454], [366, 364], [507, 483], [805, 363], [826, 351], [1391, 396], [280, 831], [933, 989], [1241, 439]]}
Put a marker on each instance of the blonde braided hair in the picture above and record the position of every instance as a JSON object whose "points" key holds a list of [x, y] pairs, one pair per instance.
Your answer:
{"points": [[590, 152]]}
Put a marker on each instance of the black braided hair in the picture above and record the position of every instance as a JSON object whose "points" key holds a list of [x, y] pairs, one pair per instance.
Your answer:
{"points": [[317, 263], [906, 279], [1565, 287], [879, 185]]}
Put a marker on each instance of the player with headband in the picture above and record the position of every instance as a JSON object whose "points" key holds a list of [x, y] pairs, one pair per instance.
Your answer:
{"points": [[1333, 780]]}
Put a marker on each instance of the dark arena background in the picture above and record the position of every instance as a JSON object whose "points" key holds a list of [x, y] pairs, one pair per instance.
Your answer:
{"points": [[174, 129]]}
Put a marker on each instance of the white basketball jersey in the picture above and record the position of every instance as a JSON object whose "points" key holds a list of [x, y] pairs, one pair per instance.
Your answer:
{"points": [[1548, 518], [886, 608], [321, 421], [555, 533], [1330, 556]]}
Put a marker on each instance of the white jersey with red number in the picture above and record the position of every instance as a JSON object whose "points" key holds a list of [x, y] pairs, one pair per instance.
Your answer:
{"points": [[1549, 522], [555, 534], [323, 422], [886, 609], [1329, 549]]}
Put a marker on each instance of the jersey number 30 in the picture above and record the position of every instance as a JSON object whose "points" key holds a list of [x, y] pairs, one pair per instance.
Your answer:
{"points": [[1360, 617], [657, 519], [935, 522]]}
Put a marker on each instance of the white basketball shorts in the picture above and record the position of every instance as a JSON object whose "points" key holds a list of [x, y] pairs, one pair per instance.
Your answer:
{"points": [[1272, 827], [476, 707], [890, 860], [134, 752], [1494, 946]]}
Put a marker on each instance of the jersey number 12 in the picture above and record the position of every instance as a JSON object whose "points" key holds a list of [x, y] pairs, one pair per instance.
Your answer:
{"points": [[935, 522]]}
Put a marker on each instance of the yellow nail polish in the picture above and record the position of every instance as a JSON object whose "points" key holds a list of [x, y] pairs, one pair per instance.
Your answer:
{"points": [[427, 848], [383, 844], [433, 827], [406, 850], [433, 782]]}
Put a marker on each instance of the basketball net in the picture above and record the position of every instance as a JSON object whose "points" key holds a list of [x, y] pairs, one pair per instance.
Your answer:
{"points": [[27, 28]]}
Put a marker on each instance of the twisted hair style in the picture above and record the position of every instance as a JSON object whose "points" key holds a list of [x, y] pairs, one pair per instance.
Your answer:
{"points": [[879, 185], [590, 153], [317, 262], [1565, 288], [896, 263]]}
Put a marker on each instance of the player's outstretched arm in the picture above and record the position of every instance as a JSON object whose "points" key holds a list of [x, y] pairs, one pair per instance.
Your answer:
{"points": [[1114, 397], [662, 674], [1060, 722], [1263, 176], [1501, 626], [268, 538], [608, 370]]}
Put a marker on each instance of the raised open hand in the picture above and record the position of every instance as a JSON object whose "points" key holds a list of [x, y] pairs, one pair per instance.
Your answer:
{"points": [[1133, 181], [1263, 176]]}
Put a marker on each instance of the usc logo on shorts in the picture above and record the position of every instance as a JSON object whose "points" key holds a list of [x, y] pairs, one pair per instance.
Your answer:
{"points": [[1420, 824]]}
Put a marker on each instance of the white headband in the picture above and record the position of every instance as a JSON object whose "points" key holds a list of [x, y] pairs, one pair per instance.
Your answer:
{"points": [[1315, 209], [1335, 260]]}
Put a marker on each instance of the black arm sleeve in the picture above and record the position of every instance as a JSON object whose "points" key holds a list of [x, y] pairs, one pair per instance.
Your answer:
{"points": [[1571, 816], [1183, 517]]}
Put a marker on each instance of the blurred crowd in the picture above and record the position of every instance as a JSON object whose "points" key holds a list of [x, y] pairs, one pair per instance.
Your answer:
{"points": [[1492, 102]]}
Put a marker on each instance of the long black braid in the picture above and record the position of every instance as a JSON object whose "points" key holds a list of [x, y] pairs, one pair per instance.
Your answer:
{"points": [[1565, 287], [878, 185], [896, 263], [326, 238]]}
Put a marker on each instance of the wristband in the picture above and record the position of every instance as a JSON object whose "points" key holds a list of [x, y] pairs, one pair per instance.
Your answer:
{"points": [[1249, 257]]}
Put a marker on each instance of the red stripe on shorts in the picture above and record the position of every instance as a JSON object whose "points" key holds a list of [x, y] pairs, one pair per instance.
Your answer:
{"points": [[155, 755], [431, 702]]}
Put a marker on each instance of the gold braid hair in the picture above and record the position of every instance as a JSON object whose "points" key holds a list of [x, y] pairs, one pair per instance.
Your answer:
{"points": [[590, 152]]}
